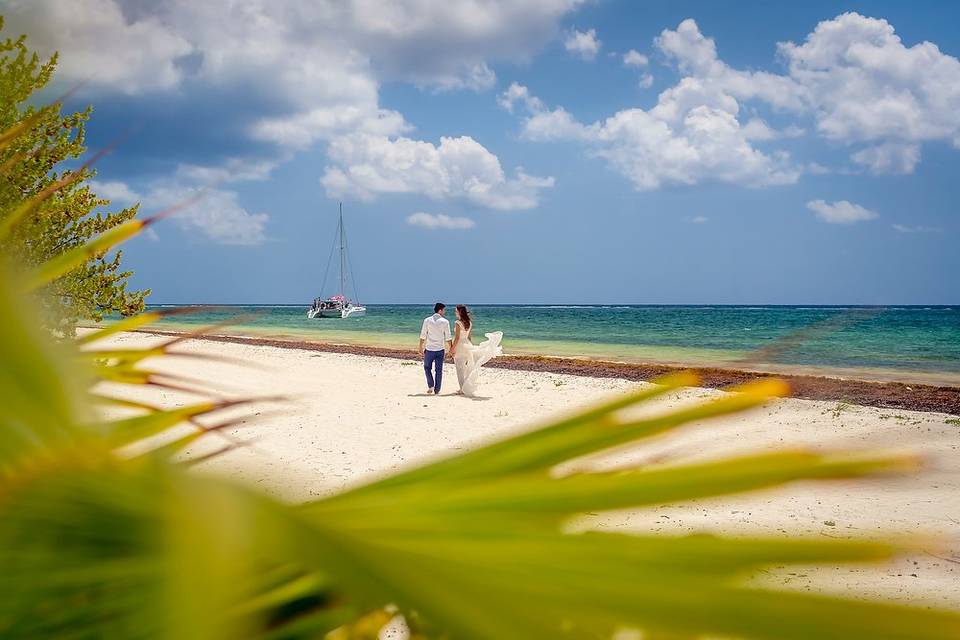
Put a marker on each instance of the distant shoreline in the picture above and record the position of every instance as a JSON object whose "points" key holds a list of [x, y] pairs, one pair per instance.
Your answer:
{"points": [[884, 394], [599, 305]]}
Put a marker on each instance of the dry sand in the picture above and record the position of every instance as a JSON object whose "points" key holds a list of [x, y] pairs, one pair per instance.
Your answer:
{"points": [[353, 417]]}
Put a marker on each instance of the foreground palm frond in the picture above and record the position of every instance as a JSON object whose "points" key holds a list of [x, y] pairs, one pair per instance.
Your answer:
{"points": [[97, 542]]}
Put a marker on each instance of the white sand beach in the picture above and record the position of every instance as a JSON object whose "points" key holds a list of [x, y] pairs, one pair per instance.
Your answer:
{"points": [[350, 417]]}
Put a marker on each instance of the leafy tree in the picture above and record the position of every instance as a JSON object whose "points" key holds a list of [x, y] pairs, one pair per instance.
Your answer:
{"points": [[73, 214]]}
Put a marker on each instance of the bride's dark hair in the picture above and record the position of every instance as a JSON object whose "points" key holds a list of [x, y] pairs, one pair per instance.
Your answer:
{"points": [[464, 314]]}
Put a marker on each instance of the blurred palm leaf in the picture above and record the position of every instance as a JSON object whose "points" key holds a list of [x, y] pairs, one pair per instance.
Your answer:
{"points": [[97, 544]]}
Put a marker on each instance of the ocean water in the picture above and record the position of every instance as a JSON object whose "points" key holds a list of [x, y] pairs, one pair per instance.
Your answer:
{"points": [[917, 339]]}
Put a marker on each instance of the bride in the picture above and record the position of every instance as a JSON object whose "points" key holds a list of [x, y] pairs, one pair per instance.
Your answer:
{"points": [[470, 357]]}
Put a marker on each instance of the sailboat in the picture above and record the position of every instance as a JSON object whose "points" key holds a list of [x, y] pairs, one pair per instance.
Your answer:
{"points": [[337, 306]]}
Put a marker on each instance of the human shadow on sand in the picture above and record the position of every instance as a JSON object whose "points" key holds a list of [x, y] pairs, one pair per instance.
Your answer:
{"points": [[450, 395]]}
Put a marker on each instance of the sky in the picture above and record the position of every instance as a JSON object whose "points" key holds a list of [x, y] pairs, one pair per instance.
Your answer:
{"points": [[525, 151]]}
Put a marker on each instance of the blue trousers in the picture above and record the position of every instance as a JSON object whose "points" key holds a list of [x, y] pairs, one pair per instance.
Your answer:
{"points": [[434, 360]]}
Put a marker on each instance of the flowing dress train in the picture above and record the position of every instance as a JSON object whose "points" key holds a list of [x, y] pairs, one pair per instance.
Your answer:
{"points": [[469, 357]]}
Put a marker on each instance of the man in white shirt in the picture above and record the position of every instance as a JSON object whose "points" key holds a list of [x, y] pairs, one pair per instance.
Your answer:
{"points": [[434, 338]]}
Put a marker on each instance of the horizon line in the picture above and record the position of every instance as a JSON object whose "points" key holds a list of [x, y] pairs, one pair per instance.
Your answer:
{"points": [[570, 304]]}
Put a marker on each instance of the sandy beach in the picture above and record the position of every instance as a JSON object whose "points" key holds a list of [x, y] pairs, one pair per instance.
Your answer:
{"points": [[351, 417], [937, 392]]}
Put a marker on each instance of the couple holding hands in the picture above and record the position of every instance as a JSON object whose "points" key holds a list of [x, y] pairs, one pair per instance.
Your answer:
{"points": [[435, 338]]}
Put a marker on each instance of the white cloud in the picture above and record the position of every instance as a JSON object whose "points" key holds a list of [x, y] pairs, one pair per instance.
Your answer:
{"points": [[864, 85], [200, 204], [366, 165], [692, 134], [890, 157], [699, 219], [559, 124], [477, 77], [709, 80], [296, 59], [695, 53], [439, 221], [137, 46], [651, 150], [313, 70], [232, 170], [840, 212], [583, 43], [447, 43], [316, 68], [817, 169], [101, 46], [853, 75], [758, 129], [215, 213], [300, 130], [518, 93], [902, 228], [637, 60], [709, 144], [117, 192], [634, 58]]}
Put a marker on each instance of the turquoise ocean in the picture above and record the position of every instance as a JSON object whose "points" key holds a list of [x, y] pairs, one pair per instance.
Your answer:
{"points": [[891, 340]]}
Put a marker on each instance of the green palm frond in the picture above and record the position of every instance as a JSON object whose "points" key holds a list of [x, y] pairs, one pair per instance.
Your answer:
{"points": [[96, 542]]}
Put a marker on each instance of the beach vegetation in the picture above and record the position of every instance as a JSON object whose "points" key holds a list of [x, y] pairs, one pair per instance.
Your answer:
{"points": [[899, 417], [839, 409], [953, 421], [106, 532], [47, 206]]}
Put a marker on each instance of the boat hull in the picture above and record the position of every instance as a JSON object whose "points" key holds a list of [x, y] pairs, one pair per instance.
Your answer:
{"points": [[341, 312]]}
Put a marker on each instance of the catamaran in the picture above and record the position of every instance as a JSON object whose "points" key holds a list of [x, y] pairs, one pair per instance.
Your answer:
{"points": [[337, 306]]}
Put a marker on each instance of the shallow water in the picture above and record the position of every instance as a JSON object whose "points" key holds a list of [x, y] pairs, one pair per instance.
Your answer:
{"points": [[918, 339]]}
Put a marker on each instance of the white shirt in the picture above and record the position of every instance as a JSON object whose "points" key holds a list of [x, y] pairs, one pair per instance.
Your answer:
{"points": [[435, 332]]}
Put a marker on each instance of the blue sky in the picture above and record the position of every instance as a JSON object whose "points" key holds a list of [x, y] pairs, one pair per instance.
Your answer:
{"points": [[743, 153]]}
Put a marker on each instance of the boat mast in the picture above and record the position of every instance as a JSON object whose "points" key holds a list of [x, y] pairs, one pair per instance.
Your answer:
{"points": [[343, 267]]}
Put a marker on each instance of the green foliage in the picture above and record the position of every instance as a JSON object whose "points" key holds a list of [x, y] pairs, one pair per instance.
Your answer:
{"points": [[838, 410], [101, 540], [72, 214]]}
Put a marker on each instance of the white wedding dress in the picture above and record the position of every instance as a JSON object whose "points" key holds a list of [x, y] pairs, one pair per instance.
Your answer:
{"points": [[469, 357]]}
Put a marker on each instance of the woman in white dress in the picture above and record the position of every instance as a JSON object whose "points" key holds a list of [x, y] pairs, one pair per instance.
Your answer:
{"points": [[469, 357]]}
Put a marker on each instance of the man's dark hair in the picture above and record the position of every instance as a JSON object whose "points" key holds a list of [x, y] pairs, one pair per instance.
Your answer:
{"points": [[438, 306]]}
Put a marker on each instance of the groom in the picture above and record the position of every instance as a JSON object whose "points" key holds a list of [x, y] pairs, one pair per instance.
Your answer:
{"points": [[434, 337]]}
